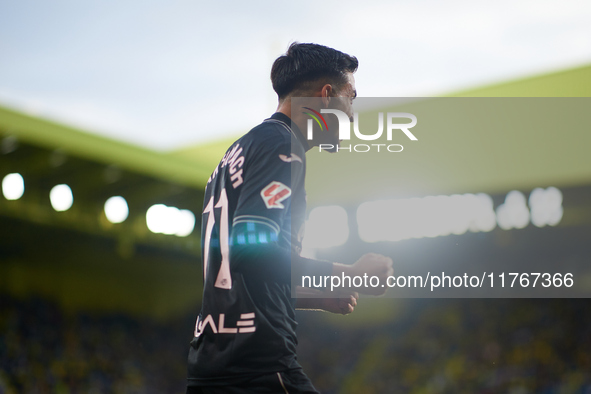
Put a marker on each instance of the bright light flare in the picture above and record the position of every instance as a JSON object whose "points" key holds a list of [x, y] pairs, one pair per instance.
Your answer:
{"points": [[513, 213], [116, 209], [431, 216], [13, 186], [546, 206], [61, 198], [170, 220], [186, 223], [326, 227]]}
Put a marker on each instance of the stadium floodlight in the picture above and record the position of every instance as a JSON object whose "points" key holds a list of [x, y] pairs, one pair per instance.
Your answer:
{"points": [[116, 209], [326, 227], [430, 216], [170, 221], [186, 223], [13, 186], [161, 219], [156, 218], [546, 206], [483, 216], [61, 197], [513, 213], [439, 216]]}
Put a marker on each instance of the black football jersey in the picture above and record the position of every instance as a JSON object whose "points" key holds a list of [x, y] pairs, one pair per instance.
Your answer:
{"points": [[254, 209]]}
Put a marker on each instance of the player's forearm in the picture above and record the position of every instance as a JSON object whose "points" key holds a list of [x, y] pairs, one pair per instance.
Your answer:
{"points": [[339, 269], [277, 261], [305, 302], [309, 304]]}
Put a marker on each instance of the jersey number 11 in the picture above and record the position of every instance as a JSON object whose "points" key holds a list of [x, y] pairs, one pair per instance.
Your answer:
{"points": [[224, 279]]}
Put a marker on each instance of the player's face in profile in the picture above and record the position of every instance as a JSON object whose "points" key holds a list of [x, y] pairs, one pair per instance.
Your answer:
{"points": [[344, 103], [348, 94]]}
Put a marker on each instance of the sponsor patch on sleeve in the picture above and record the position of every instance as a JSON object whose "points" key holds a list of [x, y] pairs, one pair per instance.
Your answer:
{"points": [[274, 193]]}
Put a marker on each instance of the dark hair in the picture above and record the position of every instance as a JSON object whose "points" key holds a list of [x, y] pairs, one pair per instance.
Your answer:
{"points": [[304, 64]]}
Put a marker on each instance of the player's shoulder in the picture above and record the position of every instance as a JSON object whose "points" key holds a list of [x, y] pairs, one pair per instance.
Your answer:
{"points": [[271, 134], [272, 138]]}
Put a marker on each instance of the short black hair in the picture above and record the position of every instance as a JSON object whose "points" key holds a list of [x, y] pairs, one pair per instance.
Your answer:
{"points": [[304, 64]]}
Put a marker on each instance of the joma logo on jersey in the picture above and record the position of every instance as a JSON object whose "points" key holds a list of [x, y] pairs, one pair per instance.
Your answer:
{"points": [[274, 193], [293, 157], [244, 325]]}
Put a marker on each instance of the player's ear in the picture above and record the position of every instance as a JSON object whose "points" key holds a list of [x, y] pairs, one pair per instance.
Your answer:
{"points": [[326, 93]]}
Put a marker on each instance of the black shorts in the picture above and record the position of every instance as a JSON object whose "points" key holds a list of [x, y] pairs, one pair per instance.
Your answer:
{"points": [[293, 381]]}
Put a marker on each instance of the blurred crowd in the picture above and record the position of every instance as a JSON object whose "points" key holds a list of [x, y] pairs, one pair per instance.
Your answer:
{"points": [[44, 350], [514, 346], [436, 346]]}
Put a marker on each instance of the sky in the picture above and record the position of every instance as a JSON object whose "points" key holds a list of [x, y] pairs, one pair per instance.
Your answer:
{"points": [[171, 74]]}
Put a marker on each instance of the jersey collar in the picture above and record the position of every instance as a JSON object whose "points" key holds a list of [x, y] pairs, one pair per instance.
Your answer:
{"points": [[293, 127]]}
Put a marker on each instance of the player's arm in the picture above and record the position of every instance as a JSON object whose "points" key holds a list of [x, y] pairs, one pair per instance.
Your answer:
{"points": [[344, 304], [345, 300], [264, 204], [258, 246], [250, 255], [268, 258], [370, 264]]}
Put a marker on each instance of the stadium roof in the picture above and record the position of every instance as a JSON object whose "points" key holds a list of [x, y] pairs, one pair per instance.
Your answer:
{"points": [[191, 167], [95, 168], [51, 135], [574, 82]]}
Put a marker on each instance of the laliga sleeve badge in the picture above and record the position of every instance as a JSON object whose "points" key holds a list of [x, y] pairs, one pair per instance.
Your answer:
{"points": [[274, 193]]}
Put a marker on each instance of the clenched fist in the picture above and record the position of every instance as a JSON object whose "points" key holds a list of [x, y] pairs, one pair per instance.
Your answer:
{"points": [[368, 274], [374, 264], [343, 305]]}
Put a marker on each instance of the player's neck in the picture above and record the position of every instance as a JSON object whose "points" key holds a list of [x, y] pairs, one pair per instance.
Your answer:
{"points": [[284, 107]]}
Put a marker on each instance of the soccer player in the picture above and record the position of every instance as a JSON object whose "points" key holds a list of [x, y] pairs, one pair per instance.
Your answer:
{"points": [[254, 208]]}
